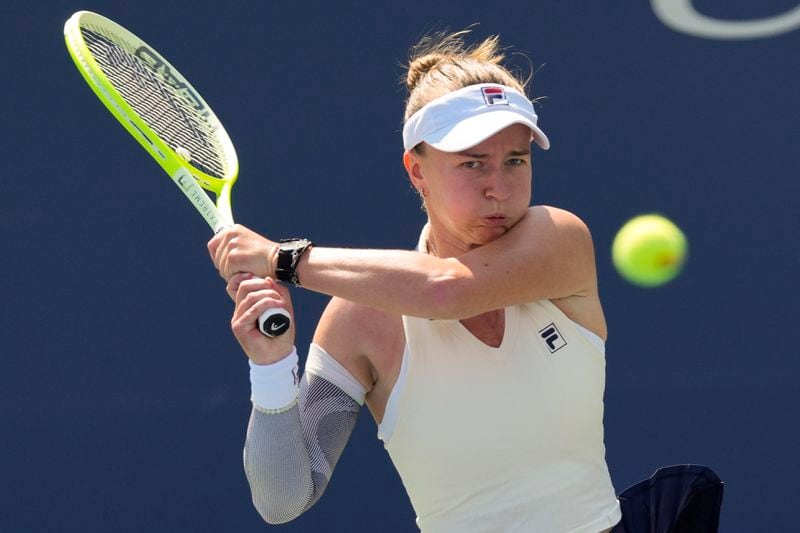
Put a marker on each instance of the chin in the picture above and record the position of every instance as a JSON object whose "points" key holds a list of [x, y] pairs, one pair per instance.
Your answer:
{"points": [[488, 234]]}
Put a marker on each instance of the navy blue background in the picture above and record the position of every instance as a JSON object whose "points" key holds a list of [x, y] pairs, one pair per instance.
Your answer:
{"points": [[123, 395]]}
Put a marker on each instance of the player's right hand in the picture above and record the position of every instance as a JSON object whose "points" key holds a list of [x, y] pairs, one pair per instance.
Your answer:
{"points": [[253, 296], [240, 249]]}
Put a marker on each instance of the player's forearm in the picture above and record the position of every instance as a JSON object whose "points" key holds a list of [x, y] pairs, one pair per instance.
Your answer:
{"points": [[290, 453], [277, 465], [397, 281]]}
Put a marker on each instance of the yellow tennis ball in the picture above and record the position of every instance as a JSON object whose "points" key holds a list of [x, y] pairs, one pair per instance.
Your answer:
{"points": [[649, 250]]}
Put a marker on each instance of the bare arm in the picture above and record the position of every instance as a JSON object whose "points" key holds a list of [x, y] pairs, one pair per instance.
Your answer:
{"points": [[547, 255]]}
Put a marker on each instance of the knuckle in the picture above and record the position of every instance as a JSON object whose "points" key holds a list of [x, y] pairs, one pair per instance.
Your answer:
{"points": [[272, 293], [253, 298], [234, 255], [250, 284]]}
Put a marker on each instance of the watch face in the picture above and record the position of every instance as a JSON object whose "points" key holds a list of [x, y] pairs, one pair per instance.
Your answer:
{"points": [[293, 245]]}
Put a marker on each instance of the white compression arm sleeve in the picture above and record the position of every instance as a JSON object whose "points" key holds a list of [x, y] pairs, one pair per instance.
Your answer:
{"points": [[289, 456]]}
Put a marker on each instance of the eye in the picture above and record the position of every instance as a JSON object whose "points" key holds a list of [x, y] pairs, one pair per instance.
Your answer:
{"points": [[516, 162], [472, 164]]}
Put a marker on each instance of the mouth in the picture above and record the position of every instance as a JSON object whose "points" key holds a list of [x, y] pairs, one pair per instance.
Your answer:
{"points": [[494, 220]]}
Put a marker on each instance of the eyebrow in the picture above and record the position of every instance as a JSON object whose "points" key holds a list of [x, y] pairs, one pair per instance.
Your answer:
{"points": [[474, 155]]}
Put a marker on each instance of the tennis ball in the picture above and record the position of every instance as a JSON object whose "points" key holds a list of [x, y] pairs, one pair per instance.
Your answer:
{"points": [[649, 250]]}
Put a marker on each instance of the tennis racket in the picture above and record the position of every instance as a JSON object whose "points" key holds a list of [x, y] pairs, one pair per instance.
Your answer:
{"points": [[168, 117]]}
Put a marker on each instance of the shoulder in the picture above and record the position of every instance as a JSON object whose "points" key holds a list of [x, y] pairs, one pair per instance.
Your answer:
{"points": [[554, 232], [545, 217], [561, 242], [357, 336], [573, 238]]}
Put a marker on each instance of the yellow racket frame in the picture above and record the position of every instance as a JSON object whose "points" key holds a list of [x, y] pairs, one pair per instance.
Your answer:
{"points": [[189, 179]]}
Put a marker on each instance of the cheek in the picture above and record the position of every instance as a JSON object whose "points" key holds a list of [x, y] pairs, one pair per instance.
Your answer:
{"points": [[524, 184], [451, 200], [455, 203], [464, 192], [527, 186]]}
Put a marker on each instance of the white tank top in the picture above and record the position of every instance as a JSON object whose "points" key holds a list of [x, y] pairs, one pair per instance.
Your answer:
{"points": [[502, 439]]}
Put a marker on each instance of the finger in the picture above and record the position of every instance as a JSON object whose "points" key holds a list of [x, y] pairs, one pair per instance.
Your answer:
{"points": [[213, 244], [253, 296], [247, 321], [248, 298], [281, 289], [216, 245], [222, 257], [223, 250], [230, 262], [253, 299], [253, 283], [233, 284]]}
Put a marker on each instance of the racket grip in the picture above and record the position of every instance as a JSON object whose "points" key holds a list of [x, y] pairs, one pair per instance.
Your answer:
{"points": [[274, 322]]}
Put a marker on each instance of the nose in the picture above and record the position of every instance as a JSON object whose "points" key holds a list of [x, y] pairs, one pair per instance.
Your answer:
{"points": [[498, 186]]}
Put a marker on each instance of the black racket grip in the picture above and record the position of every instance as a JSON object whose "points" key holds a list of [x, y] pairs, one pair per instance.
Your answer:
{"points": [[274, 322]]}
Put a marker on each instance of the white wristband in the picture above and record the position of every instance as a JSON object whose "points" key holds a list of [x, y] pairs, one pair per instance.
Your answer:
{"points": [[275, 386]]}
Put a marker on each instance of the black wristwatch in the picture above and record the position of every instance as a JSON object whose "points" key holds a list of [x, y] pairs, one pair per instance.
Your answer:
{"points": [[289, 253]]}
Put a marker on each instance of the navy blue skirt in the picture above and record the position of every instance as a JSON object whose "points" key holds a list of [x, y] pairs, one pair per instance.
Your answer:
{"points": [[676, 499]]}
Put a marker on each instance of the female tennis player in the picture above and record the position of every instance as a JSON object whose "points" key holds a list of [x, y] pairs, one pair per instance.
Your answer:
{"points": [[480, 354]]}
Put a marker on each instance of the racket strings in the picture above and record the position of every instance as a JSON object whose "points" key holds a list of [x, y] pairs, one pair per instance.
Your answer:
{"points": [[179, 121]]}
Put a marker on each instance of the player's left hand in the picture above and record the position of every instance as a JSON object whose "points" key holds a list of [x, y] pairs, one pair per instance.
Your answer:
{"points": [[253, 296], [238, 249]]}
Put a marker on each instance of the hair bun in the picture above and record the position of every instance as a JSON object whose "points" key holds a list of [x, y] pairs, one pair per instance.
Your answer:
{"points": [[443, 62], [420, 66]]}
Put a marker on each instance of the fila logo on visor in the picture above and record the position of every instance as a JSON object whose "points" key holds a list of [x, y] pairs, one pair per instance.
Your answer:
{"points": [[494, 95]]}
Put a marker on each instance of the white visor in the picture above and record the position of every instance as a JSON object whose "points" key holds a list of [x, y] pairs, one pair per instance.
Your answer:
{"points": [[466, 117]]}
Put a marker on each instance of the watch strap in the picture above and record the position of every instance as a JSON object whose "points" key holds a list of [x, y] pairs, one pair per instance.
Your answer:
{"points": [[289, 253]]}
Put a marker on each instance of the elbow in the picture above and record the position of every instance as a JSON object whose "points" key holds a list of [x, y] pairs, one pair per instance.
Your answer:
{"points": [[446, 294], [273, 513], [277, 503], [272, 518]]}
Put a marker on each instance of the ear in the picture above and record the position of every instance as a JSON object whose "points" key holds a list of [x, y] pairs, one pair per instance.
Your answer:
{"points": [[413, 168]]}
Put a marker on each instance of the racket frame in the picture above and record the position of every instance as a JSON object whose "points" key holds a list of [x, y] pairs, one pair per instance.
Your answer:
{"points": [[189, 179]]}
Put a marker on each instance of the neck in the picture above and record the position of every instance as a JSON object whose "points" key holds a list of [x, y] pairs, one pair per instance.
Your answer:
{"points": [[440, 244]]}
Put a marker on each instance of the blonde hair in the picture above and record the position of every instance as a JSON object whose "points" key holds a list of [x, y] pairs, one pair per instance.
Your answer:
{"points": [[442, 62]]}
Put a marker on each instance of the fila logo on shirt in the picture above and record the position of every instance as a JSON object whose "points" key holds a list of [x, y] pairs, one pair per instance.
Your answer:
{"points": [[552, 337], [494, 95]]}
